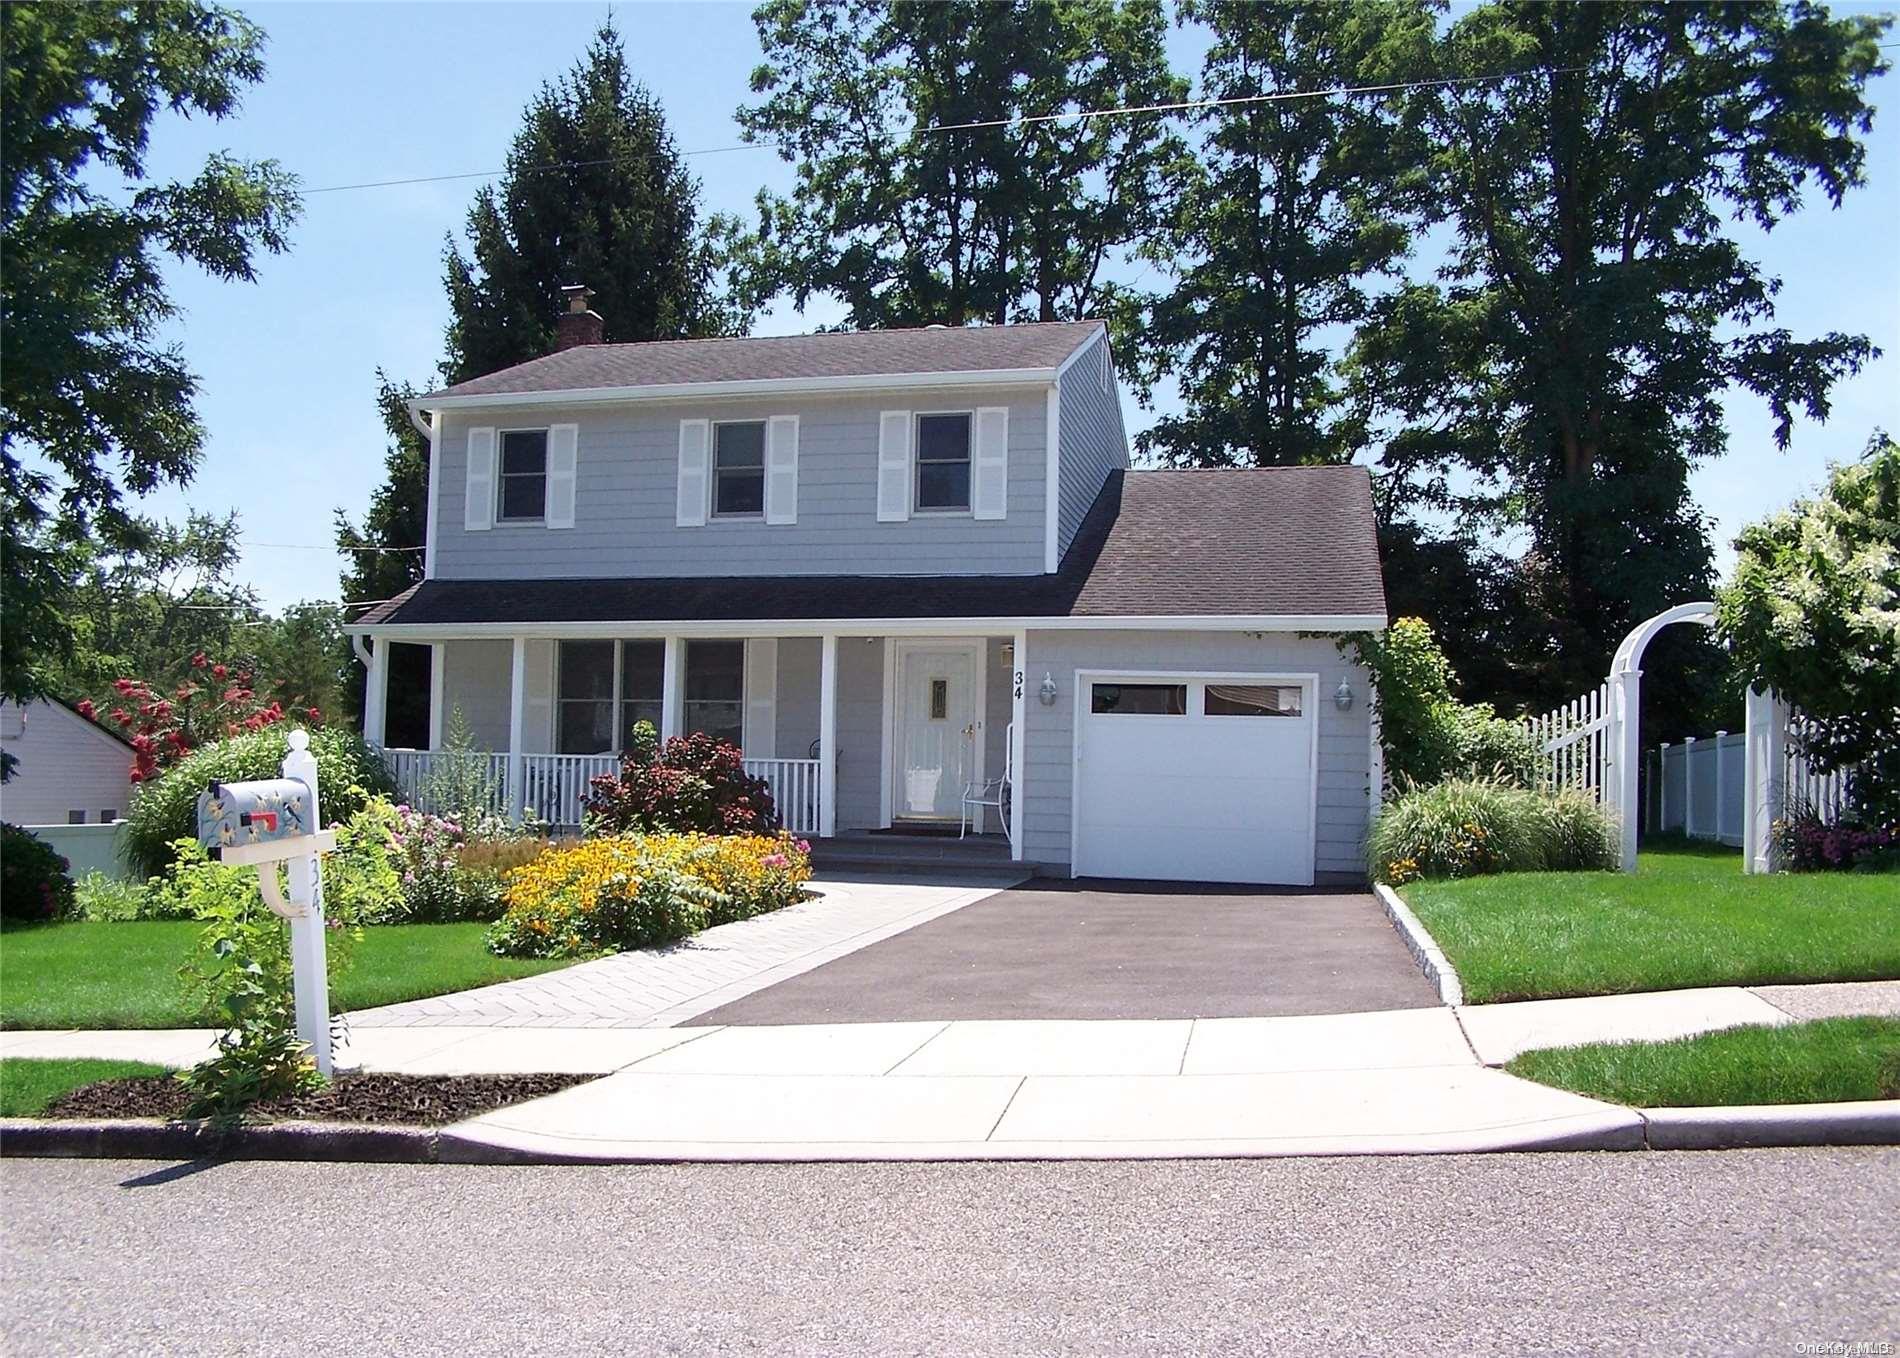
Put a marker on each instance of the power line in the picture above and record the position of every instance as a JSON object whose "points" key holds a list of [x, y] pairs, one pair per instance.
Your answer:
{"points": [[1025, 119], [324, 547]]}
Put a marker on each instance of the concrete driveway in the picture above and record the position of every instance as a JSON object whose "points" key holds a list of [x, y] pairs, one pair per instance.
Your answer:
{"points": [[1097, 949]]}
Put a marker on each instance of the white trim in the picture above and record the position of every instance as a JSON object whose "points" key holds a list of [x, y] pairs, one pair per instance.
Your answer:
{"points": [[438, 692], [828, 736], [977, 650], [1018, 710], [435, 497], [773, 386], [672, 687], [376, 694], [1100, 336], [816, 627], [1052, 482], [885, 790], [1309, 700]]}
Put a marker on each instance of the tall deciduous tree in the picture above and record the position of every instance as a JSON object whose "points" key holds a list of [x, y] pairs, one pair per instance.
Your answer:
{"points": [[95, 403], [1595, 305], [595, 192], [1274, 232], [986, 218]]}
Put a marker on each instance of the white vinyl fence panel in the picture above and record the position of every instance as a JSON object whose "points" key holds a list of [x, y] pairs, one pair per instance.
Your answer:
{"points": [[1698, 786]]}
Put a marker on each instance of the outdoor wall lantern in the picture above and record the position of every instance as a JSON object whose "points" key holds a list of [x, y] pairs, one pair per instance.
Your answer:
{"points": [[1342, 696], [1047, 693]]}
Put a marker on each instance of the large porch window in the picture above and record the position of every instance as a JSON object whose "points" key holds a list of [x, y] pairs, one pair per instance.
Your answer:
{"points": [[715, 689], [588, 687]]}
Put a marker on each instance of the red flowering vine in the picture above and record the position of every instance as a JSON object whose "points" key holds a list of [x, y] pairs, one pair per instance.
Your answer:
{"points": [[164, 729]]}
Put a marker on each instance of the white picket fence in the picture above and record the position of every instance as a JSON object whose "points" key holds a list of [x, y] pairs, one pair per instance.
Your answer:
{"points": [[1574, 743], [554, 787]]}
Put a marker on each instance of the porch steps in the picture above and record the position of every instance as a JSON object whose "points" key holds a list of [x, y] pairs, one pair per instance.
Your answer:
{"points": [[884, 852]]}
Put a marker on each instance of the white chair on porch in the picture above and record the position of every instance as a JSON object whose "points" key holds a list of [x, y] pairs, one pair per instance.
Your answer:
{"points": [[992, 792]]}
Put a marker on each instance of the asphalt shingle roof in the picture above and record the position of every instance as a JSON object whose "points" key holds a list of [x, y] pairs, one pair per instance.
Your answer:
{"points": [[1284, 541], [863, 353]]}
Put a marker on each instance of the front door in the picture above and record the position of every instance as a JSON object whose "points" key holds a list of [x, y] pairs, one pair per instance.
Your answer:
{"points": [[935, 725]]}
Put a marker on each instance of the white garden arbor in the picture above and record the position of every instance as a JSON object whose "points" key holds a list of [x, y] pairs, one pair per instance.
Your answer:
{"points": [[1593, 744]]}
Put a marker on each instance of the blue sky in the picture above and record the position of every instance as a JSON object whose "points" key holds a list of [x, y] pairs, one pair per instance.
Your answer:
{"points": [[360, 92]]}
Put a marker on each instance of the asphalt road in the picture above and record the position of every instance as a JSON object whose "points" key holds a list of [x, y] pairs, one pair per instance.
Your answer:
{"points": [[1093, 949], [1677, 1253]]}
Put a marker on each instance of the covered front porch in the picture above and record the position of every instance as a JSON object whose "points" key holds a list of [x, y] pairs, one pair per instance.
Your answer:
{"points": [[852, 733]]}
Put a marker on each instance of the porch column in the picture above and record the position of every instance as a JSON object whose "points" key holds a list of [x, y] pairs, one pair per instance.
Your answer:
{"points": [[438, 693], [828, 737], [1018, 709], [672, 698], [376, 692], [517, 714]]}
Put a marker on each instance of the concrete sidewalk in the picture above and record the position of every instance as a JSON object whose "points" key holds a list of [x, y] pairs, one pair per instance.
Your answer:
{"points": [[1393, 1081]]}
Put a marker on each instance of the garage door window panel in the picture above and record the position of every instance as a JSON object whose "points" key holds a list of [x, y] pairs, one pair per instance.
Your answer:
{"points": [[1253, 700], [1143, 700]]}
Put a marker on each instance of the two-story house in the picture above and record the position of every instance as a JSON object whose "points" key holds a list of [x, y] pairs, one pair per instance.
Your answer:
{"points": [[896, 567]]}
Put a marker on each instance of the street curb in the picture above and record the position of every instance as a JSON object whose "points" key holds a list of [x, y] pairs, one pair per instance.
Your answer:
{"points": [[149, 1139], [1423, 947], [1779, 1124]]}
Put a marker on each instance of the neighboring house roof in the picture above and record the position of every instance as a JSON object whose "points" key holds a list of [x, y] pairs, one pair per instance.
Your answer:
{"points": [[977, 350], [1283, 542]]}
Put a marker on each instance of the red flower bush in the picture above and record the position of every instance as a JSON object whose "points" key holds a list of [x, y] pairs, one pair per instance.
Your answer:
{"points": [[688, 783], [163, 730]]}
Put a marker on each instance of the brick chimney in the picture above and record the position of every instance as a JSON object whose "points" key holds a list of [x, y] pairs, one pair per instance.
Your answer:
{"points": [[580, 323]]}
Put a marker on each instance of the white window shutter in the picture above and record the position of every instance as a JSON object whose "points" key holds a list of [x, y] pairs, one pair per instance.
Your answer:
{"points": [[989, 464], [478, 509], [760, 736], [563, 457], [781, 469], [893, 466], [695, 457]]}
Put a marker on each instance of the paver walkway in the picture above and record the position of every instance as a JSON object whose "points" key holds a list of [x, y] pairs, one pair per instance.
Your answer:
{"points": [[659, 987]]}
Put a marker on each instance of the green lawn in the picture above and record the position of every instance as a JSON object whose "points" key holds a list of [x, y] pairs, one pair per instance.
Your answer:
{"points": [[27, 1085], [1687, 917], [1827, 1061], [126, 975]]}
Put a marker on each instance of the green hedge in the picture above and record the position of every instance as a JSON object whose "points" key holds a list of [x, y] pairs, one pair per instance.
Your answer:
{"points": [[34, 881], [165, 809], [1468, 827]]}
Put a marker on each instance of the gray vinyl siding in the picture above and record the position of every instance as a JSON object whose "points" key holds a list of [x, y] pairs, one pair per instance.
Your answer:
{"points": [[1049, 737], [797, 700], [1092, 440], [860, 733], [626, 493]]}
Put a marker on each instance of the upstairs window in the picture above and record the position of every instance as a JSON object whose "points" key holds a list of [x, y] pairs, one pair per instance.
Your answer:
{"points": [[523, 483], [739, 470], [943, 463]]}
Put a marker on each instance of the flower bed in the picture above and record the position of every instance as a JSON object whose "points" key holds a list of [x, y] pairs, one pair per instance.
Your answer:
{"points": [[630, 891]]}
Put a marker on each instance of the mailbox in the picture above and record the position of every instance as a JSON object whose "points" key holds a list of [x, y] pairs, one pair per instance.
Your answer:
{"points": [[233, 815]]}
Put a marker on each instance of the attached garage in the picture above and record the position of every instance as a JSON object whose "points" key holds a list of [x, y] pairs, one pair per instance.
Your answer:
{"points": [[1195, 777]]}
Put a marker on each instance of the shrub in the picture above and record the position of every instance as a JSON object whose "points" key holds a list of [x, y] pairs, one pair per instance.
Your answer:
{"points": [[1469, 827], [1806, 843], [360, 882], [689, 783], [104, 899], [611, 893], [166, 809], [1427, 734], [196, 886], [34, 881]]}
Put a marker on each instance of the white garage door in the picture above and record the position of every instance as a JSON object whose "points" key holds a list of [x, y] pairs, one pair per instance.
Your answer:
{"points": [[1195, 778]]}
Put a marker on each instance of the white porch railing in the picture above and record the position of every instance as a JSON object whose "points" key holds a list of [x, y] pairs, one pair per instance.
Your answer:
{"points": [[794, 784], [554, 787]]}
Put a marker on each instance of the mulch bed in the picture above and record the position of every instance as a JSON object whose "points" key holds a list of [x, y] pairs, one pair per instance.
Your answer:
{"points": [[391, 1100]]}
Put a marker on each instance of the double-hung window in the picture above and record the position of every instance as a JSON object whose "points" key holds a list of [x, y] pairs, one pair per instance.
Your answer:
{"points": [[522, 495], [715, 689], [943, 463], [585, 701], [642, 686], [739, 470]]}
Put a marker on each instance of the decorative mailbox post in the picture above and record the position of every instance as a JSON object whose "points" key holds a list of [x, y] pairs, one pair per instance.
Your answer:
{"points": [[275, 821]]}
